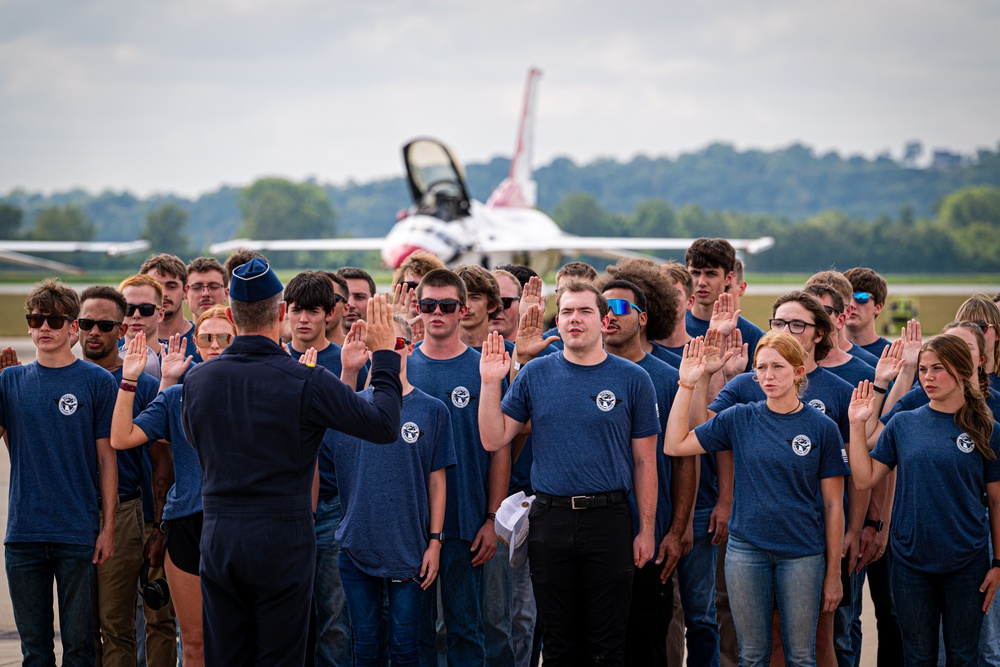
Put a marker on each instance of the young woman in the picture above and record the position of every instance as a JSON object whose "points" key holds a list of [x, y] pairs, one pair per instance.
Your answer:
{"points": [[786, 532], [161, 420], [946, 457], [393, 498], [983, 312]]}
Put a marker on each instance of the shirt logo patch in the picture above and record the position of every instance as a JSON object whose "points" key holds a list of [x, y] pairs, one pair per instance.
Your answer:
{"points": [[460, 397], [410, 432], [819, 405], [965, 443], [843, 454], [801, 445], [606, 400], [68, 404]]}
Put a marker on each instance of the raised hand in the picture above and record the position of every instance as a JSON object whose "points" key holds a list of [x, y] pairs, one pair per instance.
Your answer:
{"points": [[135, 358], [8, 358], [862, 403], [912, 341], [531, 295], [309, 357], [889, 364], [402, 298], [741, 355], [494, 364], [717, 353], [724, 316], [381, 334], [529, 333], [693, 364], [417, 324], [173, 364], [354, 354]]}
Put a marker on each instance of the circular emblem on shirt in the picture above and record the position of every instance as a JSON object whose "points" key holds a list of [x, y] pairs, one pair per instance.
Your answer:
{"points": [[606, 400], [965, 443], [819, 405], [460, 397], [68, 404], [801, 445], [410, 432]]}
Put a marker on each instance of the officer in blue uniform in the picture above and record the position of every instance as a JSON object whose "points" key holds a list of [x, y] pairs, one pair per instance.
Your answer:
{"points": [[256, 418]]}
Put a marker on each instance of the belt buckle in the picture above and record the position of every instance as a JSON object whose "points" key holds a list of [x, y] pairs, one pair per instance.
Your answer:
{"points": [[572, 502]]}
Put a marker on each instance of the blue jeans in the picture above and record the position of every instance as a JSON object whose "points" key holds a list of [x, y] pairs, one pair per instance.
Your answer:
{"points": [[696, 576], [495, 600], [923, 601], [989, 638], [460, 594], [522, 615], [364, 601], [333, 626], [755, 578], [846, 643], [31, 566]]}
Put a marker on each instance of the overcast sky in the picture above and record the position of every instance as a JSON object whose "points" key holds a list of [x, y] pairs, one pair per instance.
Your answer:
{"points": [[185, 95]]}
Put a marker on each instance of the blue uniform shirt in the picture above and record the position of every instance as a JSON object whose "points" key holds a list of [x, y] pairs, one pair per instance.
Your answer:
{"points": [[875, 349], [583, 420], [938, 521], [130, 460], [666, 355], [53, 418], [917, 397], [853, 372], [383, 488], [751, 332], [864, 355], [664, 379], [778, 462]]}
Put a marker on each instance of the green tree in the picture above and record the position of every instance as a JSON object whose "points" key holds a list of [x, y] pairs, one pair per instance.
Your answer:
{"points": [[165, 230], [579, 213], [979, 203], [63, 223], [10, 221], [276, 208], [655, 218]]}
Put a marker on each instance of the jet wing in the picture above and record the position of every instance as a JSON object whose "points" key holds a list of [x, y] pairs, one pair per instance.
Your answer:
{"points": [[615, 246], [13, 252], [297, 244]]}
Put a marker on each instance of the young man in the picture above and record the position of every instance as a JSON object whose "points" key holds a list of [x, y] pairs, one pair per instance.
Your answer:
{"points": [[662, 298], [847, 367], [870, 291], [652, 587], [710, 263], [207, 285], [102, 314], [257, 583], [482, 300], [571, 271], [360, 288], [595, 428], [678, 276], [56, 414], [446, 368], [144, 312], [504, 320], [171, 273], [837, 280], [334, 333]]}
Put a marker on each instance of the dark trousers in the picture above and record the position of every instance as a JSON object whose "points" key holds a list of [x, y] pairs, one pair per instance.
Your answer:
{"points": [[890, 643], [256, 585], [649, 617], [581, 574]]}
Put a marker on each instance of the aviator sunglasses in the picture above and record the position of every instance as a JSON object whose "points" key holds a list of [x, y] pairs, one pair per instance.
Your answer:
{"points": [[105, 326], [622, 306], [205, 339], [145, 309], [35, 320], [448, 306]]}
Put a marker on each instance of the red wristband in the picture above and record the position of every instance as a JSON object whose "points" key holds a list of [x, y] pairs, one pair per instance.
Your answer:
{"points": [[125, 386]]}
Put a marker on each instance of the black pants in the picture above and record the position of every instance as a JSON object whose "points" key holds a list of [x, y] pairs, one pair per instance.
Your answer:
{"points": [[581, 574], [649, 617], [890, 643]]}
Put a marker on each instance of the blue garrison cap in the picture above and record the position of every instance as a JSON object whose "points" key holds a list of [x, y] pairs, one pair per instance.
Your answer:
{"points": [[254, 281]]}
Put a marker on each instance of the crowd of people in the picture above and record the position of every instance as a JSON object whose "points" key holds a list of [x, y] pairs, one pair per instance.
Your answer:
{"points": [[315, 473]]}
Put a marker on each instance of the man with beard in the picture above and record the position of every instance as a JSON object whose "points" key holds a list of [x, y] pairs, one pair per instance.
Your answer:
{"points": [[207, 285], [360, 288], [171, 273]]}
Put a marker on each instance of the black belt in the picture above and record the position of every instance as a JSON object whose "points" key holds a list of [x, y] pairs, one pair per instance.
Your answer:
{"points": [[582, 502], [125, 497]]}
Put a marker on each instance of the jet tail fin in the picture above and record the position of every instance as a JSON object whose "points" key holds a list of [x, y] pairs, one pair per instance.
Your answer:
{"points": [[518, 189]]}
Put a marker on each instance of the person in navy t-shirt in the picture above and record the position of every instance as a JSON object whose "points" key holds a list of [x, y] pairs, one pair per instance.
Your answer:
{"points": [[594, 433], [870, 292], [940, 539], [56, 415], [787, 529]]}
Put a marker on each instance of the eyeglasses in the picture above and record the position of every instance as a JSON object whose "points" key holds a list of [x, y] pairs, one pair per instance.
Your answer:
{"points": [[401, 343], [205, 339], [145, 309], [203, 287], [106, 326], [622, 306], [337, 299], [508, 301], [448, 306], [412, 284], [862, 297], [984, 326], [830, 310], [794, 326], [35, 320]]}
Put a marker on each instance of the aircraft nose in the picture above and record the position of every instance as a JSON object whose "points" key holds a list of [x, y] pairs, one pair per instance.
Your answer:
{"points": [[393, 256]]}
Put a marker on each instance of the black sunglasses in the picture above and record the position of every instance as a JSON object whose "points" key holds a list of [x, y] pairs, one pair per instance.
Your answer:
{"points": [[337, 299], [106, 326], [508, 301], [145, 309], [830, 310], [412, 284], [35, 320], [448, 306]]}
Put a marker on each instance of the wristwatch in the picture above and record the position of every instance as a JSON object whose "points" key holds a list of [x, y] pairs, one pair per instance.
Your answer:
{"points": [[872, 523], [436, 536]]}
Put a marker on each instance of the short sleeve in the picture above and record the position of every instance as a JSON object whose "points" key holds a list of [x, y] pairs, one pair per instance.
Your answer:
{"points": [[885, 451], [517, 401], [714, 435]]}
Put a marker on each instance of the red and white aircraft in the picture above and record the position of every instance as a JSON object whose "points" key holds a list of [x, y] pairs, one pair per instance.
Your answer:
{"points": [[460, 230]]}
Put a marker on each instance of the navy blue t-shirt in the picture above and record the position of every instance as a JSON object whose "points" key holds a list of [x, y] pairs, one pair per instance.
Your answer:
{"points": [[864, 355], [917, 397], [190, 349], [938, 521], [666, 356], [751, 332], [554, 331], [853, 372], [778, 462], [456, 382], [329, 358], [583, 420], [161, 420], [876, 348], [130, 460], [664, 379], [374, 478], [53, 418]]}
